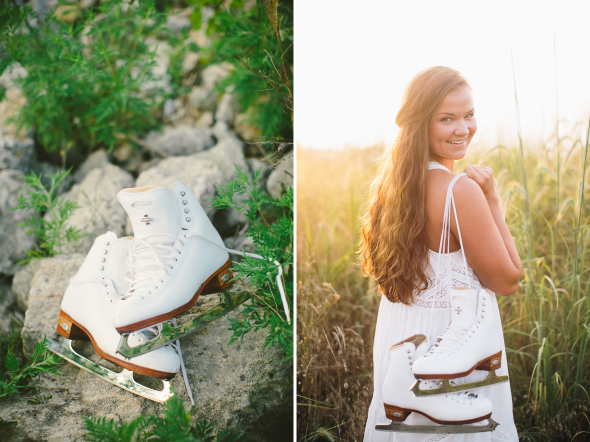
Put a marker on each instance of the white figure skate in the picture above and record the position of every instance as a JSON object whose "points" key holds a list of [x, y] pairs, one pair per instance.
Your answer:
{"points": [[176, 256], [473, 341], [85, 315], [453, 410]]}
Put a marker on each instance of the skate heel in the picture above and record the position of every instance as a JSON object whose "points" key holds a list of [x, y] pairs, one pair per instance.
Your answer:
{"points": [[69, 330], [492, 363], [221, 281], [396, 413]]}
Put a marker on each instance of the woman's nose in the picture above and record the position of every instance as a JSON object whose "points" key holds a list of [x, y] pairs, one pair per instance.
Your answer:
{"points": [[462, 129]]}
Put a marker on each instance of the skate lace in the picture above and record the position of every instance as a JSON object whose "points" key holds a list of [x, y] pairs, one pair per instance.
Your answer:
{"points": [[146, 257], [451, 339], [463, 397]]}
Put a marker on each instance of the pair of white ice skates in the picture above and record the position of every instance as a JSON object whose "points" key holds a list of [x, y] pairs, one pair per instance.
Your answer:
{"points": [[419, 376], [128, 288]]}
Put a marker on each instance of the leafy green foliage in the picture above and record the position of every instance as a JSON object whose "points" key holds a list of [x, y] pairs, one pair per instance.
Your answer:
{"points": [[52, 232], [271, 229], [16, 378], [173, 426], [89, 82], [261, 79]]}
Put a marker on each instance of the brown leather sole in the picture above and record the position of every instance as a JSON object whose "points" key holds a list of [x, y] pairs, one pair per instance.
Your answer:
{"points": [[486, 365], [70, 329], [400, 414], [221, 280]]}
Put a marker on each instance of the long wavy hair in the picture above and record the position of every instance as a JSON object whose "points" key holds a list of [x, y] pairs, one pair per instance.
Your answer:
{"points": [[392, 244]]}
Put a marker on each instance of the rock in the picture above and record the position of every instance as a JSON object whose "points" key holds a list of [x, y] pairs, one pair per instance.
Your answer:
{"points": [[205, 121], [170, 106], [204, 97], [227, 109], [15, 242], [199, 174], [123, 152], [242, 388], [48, 285], [244, 129], [255, 164], [178, 23], [10, 107], [180, 140], [98, 208], [17, 154], [227, 153], [21, 283], [190, 62], [281, 177], [97, 159], [12, 73]]}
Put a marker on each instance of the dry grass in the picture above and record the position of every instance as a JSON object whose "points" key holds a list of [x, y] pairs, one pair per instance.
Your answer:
{"points": [[546, 323]]}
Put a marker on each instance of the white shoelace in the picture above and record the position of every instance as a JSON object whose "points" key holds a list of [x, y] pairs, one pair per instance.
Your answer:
{"points": [[451, 339]]}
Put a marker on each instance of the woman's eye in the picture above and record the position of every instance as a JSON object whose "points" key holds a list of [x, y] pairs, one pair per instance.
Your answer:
{"points": [[446, 119], [470, 115]]}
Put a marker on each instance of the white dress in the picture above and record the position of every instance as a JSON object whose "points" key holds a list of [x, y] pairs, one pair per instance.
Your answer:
{"points": [[430, 314]]}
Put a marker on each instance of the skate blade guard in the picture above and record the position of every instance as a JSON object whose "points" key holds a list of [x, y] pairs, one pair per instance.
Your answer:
{"points": [[400, 427], [63, 347], [229, 301]]}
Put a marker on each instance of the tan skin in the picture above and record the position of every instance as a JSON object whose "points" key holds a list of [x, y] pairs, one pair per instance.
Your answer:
{"points": [[488, 245]]}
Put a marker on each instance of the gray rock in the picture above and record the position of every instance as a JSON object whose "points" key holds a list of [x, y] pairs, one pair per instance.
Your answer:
{"points": [[21, 283], [255, 164], [227, 153], [95, 160], [204, 97], [178, 23], [190, 62], [244, 129], [17, 154], [180, 140], [199, 174], [213, 74], [98, 208], [205, 120], [227, 109], [281, 177], [15, 242], [10, 107], [170, 106], [48, 285], [12, 73]]}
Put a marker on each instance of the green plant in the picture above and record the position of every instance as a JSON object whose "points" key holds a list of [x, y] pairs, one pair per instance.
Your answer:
{"points": [[48, 222], [270, 225], [16, 378], [173, 426], [90, 82], [259, 40]]}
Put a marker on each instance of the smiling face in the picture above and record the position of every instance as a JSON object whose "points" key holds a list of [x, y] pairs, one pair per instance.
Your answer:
{"points": [[453, 127]]}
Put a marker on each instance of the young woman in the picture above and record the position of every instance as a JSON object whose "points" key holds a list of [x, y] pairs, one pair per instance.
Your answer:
{"points": [[402, 232]]}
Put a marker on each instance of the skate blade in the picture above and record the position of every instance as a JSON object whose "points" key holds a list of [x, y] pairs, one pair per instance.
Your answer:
{"points": [[123, 380], [229, 301], [446, 386], [438, 429]]}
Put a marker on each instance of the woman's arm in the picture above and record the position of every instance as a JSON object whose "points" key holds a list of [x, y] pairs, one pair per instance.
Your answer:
{"points": [[488, 245]]}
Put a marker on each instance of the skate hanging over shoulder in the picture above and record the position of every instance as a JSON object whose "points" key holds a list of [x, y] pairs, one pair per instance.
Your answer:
{"points": [[453, 411], [473, 341]]}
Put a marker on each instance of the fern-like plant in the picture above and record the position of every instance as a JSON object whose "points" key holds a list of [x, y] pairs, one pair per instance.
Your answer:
{"points": [[16, 378], [271, 229], [173, 426], [50, 230]]}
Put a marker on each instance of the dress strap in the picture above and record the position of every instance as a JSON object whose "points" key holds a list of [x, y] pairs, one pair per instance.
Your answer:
{"points": [[436, 165]]}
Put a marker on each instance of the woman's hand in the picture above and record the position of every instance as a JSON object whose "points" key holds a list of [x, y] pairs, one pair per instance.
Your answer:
{"points": [[484, 177]]}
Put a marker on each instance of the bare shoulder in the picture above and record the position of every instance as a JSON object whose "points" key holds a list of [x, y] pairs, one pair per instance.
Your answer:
{"points": [[467, 192]]}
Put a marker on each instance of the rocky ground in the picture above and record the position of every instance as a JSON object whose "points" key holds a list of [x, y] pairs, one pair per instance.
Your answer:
{"points": [[242, 387]]}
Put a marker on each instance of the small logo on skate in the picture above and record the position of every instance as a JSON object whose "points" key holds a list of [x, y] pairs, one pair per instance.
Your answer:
{"points": [[140, 204], [225, 277], [146, 219], [64, 326]]}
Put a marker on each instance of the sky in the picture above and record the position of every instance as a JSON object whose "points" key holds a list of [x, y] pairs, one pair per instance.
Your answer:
{"points": [[354, 58]]}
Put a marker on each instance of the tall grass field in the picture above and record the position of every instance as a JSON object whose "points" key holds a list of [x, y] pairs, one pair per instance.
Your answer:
{"points": [[546, 322]]}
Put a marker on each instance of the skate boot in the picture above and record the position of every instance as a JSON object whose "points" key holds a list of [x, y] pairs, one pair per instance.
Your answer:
{"points": [[176, 256], [473, 341], [454, 410], [85, 315]]}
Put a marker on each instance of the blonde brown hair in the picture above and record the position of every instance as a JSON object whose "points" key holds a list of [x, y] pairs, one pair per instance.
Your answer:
{"points": [[392, 244]]}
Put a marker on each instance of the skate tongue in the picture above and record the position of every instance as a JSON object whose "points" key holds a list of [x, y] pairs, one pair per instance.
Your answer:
{"points": [[152, 211], [463, 309]]}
